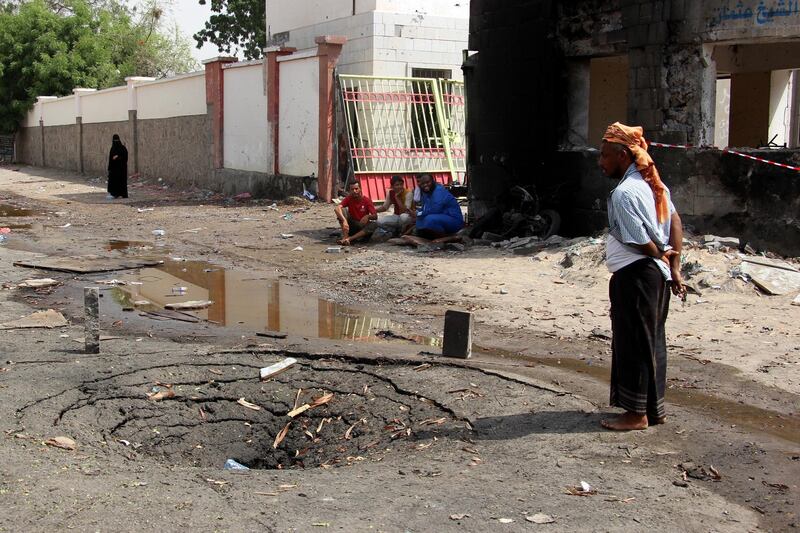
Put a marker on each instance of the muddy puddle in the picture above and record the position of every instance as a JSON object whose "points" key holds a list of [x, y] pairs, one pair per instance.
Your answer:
{"points": [[245, 300], [127, 246], [9, 210], [732, 412]]}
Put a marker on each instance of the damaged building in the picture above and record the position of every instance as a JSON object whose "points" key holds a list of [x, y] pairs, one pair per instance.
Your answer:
{"points": [[712, 82]]}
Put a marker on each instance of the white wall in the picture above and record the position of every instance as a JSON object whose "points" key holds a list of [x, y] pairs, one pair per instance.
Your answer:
{"points": [[110, 105], [246, 140], [435, 8], [779, 106], [286, 15], [392, 44], [172, 97], [59, 112], [299, 117], [722, 113]]}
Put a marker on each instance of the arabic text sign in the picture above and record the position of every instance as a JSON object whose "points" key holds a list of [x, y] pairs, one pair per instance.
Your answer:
{"points": [[760, 14]]}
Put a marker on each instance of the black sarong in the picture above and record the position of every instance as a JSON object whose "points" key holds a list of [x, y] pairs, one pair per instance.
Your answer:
{"points": [[639, 305]]}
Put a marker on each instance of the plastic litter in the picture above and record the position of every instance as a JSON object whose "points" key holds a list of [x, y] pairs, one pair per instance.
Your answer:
{"points": [[230, 464], [159, 232], [288, 216]]}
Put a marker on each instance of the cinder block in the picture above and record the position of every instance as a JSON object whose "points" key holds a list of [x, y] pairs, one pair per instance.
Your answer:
{"points": [[457, 334]]}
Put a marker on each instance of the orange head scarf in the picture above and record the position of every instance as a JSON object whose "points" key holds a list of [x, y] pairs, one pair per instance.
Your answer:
{"points": [[632, 137]]}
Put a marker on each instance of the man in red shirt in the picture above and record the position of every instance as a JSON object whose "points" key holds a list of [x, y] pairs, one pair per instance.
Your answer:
{"points": [[360, 216]]}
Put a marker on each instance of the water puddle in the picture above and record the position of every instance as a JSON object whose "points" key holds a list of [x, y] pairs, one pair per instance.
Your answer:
{"points": [[8, 210], [747, 416], [248, 301], [125, 246]]}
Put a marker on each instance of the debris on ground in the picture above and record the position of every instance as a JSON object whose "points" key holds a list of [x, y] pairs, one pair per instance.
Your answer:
{"points": [[273, 370], [190, 305], [245, 403], [88, 264], [584, 489], [65, 443], [38, 283], [40, 319], [540, 518], [772, 277], [230, 464], [691, 470], [161, 392]]}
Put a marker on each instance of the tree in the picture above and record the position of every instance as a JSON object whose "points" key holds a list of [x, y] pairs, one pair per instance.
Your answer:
{"points": [[237, 25], [49, 48]]}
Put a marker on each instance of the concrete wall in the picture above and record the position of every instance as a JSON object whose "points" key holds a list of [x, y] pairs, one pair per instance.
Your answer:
{"points": [[172, 97], [246, 142], [29, 145], [97, 143], [61, 144], [298, 153], [749, 120], [608, 95], [780, 106], [519, 114], [110, 105], [59, 112], [714, 192], [176, 149], [395, 39]]}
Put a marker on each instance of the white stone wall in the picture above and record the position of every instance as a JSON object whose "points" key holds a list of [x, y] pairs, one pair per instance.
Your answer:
{"points": [[172, 97], [393, 38], [59, 112], [298, 149], [246, 136], [110, 105]]}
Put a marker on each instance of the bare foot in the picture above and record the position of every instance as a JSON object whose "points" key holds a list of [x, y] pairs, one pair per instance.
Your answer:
{"points": [[656, 420], [625, 422]]}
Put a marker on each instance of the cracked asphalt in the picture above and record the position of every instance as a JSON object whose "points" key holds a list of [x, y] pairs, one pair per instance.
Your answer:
{"points": [[408, 442]]}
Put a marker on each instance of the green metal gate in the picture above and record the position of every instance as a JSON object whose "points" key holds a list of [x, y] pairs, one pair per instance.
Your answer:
{"points": [[404, 126]]}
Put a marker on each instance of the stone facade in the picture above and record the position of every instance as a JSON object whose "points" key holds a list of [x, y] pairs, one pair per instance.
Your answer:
{"points": [[176, 149], [97, 143], [60, 147], [533, 92]]}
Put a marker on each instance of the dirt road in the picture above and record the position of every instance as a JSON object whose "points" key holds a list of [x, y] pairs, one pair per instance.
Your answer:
{"points": [[408, 441]]}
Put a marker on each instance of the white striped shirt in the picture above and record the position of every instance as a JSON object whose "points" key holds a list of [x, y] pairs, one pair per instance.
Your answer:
{"points": [[632, 219]]}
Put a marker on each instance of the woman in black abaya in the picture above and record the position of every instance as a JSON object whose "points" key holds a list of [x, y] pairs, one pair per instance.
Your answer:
{"points": [[117, 169]]}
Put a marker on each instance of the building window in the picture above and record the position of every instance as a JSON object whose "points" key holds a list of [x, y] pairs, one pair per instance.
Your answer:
{"points": [[442, 73], [758, 96]]}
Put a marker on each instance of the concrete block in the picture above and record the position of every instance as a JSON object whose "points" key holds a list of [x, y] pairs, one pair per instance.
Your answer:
{"points": [[457, 334], [91, 303]]}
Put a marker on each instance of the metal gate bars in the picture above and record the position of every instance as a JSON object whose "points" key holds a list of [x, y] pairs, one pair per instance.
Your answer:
{"points": [[406, 127]]}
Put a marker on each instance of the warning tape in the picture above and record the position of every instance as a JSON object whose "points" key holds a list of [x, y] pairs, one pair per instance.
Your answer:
{"points": [[729, 151], [790, 167]]}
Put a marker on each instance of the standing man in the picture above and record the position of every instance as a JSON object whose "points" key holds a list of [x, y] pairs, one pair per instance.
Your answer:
{"points": [[360, 217], [643, 253]]}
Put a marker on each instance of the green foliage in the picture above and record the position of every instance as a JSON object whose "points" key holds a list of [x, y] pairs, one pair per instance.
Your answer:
{"points": [[236, 25], [49, 48]]}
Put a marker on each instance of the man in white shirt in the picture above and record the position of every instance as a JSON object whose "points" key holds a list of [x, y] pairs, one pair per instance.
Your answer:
{"points": [[643, 253]]}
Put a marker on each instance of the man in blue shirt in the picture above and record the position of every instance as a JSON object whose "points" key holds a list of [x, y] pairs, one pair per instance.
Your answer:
{"points": [[439, 217]]}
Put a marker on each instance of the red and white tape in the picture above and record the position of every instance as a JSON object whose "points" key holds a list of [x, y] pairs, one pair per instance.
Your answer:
{"points": [[729, 151]]}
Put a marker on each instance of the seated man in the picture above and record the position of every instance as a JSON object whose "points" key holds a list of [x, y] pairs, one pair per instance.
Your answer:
{"points": [[402, 200], [360, 217], [440, 216]]}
